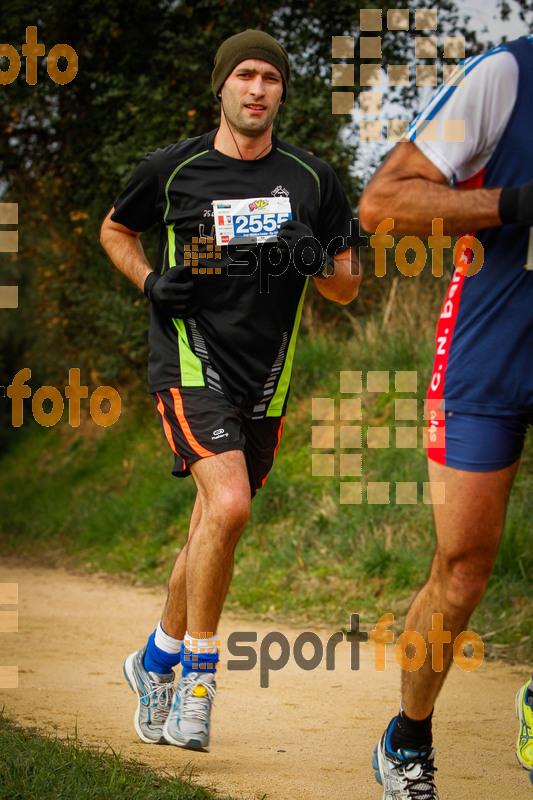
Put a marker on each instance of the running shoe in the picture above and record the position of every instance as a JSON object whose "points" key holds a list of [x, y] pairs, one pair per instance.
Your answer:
{"points": [[154, 694], [406, 774], [188, 724], [524, 743]]}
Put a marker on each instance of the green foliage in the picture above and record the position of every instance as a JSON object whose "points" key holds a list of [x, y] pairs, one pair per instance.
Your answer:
{"points": [[67, 150], [35, 766], [104, 499]]}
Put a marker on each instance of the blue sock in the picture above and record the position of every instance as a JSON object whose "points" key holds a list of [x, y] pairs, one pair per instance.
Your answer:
{"points": [[157, 660], [197, 662]]}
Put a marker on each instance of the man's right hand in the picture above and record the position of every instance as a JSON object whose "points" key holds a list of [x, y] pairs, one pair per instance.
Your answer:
{"points": [[172, 293]]}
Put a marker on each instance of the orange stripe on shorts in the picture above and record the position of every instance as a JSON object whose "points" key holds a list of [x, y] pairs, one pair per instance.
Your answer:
{"points": [[178, 410], [166, 426]]}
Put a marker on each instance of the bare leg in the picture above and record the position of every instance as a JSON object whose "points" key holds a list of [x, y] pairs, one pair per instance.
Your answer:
{"points": [[174, 620], [202, 572], [224, 493], [468, 526]]}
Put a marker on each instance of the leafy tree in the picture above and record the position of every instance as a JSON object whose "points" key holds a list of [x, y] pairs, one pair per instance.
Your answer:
{"points": [[143, 82]]}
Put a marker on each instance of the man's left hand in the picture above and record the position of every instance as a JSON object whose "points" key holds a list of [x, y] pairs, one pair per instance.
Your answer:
{"points": [[309, 257]]}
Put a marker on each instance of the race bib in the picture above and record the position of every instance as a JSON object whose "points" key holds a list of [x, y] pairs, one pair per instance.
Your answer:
{"points": [[260, 217]]}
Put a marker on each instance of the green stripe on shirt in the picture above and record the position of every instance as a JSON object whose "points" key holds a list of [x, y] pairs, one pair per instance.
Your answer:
{"points": [[275, 406], [190, 365], [311, 170]]}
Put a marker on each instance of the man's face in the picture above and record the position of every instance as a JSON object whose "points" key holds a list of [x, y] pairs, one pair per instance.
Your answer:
{"points": [[251, 96]]}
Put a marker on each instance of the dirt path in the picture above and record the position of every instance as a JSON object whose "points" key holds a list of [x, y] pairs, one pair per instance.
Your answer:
{"points": [[309, 735]]}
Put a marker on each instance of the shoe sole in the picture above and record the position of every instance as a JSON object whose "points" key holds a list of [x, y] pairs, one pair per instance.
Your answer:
{"points": [[376, 764], [186, 744], [517, 705], [129, 675]]}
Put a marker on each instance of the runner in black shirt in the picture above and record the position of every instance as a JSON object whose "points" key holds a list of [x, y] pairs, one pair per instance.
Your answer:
{"points": [[245, 220]]}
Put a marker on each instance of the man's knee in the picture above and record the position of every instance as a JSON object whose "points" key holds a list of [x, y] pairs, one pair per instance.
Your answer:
{"points": [[463, 582], [229, 507]]}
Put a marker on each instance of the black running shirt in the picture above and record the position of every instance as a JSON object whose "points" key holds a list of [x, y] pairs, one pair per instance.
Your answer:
{"points": [[241, 340]]}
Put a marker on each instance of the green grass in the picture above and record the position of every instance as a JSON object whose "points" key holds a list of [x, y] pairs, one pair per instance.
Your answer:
{"points": [[38, 767], [104, 499]]}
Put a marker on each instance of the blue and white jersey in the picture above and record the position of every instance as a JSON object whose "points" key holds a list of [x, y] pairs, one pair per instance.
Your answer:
{"points": [[480, 96], [484, 354]]}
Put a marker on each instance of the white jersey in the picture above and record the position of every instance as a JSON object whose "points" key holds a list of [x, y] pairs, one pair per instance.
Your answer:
{"points": [[484, 102]]}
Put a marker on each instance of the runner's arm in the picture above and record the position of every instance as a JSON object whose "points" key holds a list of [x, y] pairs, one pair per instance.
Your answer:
{"points": [[343, 285], [411, 190], [123, 247]]}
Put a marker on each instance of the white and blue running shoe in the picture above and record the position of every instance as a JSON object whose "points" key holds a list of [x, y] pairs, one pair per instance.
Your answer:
{"points": [[188, 723], [406, 774], [154, 692]]}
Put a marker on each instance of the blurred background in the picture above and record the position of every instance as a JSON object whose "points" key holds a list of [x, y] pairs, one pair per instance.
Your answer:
{"points": [[103, 498]]}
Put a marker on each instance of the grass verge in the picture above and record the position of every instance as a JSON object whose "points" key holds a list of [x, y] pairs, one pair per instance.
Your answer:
{"points": [[38, 767]]}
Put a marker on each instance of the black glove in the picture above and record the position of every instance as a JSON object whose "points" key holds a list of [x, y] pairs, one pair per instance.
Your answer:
{"points": [[172, 293], [516, 204], [308, 256]]}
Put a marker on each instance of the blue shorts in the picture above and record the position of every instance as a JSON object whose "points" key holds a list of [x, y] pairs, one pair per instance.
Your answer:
{"points": [[480, 443]]}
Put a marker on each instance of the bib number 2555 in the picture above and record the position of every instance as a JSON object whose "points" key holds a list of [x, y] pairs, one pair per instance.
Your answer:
{"points": [[257, 224]]}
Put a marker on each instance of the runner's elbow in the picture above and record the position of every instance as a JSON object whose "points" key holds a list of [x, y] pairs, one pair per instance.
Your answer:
{"points": [[371, 210]]}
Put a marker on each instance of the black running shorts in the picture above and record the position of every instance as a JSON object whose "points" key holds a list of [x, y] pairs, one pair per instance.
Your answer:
{"points": [[199, 422]]}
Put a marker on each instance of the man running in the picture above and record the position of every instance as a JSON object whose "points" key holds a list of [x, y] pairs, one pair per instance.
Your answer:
{"points": [[226, 307], [482, 377]]}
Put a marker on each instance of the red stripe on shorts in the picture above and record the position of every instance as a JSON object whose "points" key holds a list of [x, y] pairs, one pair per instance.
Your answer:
{"points": [[436, 430], [436, 440], [275, 449]]}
